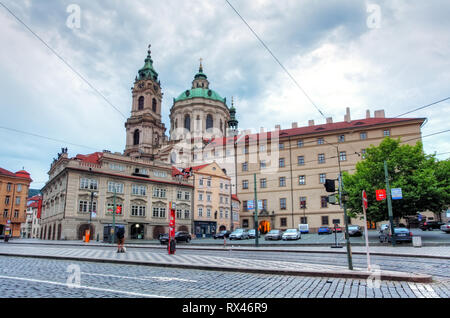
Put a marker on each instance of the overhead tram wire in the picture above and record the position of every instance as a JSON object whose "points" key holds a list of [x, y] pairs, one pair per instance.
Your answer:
{"points": [[62, 59], [276, 59]]}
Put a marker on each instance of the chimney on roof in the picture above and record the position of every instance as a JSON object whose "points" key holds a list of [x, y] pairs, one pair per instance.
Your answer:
{"points": [[329, 120], [347, 117], [379, 113], [277, 127], [367, 114], [311, 122], [294, 125]]}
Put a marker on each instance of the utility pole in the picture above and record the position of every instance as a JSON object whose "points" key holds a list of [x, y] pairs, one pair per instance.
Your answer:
{"points": [[256, 214], [389, 203]]}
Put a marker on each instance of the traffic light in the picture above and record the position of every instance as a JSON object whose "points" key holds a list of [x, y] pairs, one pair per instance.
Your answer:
{"points": [[329, 185]]}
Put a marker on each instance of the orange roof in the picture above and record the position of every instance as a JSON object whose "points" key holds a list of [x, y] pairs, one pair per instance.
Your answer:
{"points": [[91, 158], [234, 197], [19, 174]]}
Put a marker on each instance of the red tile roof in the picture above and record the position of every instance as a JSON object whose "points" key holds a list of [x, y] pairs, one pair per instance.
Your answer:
{"points": [[91, 158], [234, 197], [19, 174], [306, 130]]}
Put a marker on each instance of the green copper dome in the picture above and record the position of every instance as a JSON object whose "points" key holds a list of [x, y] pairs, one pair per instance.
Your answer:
{"points": [[202, 93], [147, 71]]}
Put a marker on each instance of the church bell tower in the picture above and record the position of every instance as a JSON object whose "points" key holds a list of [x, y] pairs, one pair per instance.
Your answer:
{"points": [[144, 130]]}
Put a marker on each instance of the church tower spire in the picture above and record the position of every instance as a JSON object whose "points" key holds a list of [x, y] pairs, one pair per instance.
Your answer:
{"points": [[200, 79], [144, 129]]}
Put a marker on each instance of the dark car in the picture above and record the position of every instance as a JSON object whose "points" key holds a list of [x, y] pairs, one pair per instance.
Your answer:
{"points": [[274, 235], [354, 230], [324, 230], [430, 225], [179, 237], [222, 234], [401, 235]]}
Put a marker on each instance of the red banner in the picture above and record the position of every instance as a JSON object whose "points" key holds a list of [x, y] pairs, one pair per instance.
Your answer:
{"points": [[39, 208]]}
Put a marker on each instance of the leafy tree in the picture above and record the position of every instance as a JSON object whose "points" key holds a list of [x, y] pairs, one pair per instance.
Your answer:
{"points": [[425, 182]]}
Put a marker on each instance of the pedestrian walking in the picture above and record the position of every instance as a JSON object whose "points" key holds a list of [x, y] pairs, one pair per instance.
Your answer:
{"points": [[120, 239]]}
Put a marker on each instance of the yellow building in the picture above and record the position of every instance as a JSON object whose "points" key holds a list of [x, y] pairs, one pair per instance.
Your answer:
{"points": [[213, 201]]}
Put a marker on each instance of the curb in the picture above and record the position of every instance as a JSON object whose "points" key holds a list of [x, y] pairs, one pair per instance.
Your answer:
{"points": [[241, 248], [390, 276]]}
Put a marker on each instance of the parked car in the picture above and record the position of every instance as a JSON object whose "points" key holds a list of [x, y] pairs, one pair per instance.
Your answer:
{"points": [[354, 230], [251, 234], [446, 227], [179, 237], [401, 235], [430, 225], [222, 234], [324, 230], [303, 228], [239, 234], [291, 234], [274, 235]]}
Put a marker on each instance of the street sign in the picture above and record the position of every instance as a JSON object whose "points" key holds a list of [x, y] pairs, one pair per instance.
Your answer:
{"points": [[380, 194], [364, 195], [250, 205], [396, 193]]}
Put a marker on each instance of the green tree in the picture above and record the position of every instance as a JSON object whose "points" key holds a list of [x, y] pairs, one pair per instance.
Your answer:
{"points": [[425, 182]]}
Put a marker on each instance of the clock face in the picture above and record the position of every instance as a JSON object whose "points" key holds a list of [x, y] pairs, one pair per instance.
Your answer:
{"points": [[141, 85]]}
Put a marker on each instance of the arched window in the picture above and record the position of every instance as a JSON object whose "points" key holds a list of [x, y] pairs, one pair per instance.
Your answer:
{"points": [[187, 122], [209, 122], [221, 125], [136, 137], [141, 103], [154, 105]]}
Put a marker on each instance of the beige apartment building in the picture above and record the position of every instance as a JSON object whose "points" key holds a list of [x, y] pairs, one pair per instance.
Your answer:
{"points": [[291, 166], [213, 209], [140, 188]]}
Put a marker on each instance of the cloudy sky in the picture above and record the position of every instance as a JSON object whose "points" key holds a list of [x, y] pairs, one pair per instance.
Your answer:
{"points": [[391, 55]]}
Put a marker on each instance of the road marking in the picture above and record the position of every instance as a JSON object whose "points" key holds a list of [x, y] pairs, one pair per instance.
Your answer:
{"points": [[82, 287], [146, 278]]}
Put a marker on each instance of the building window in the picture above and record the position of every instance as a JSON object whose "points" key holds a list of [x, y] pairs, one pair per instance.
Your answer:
{"points": [[320, 141], [282, 181], [8, 187], [283, 203], [264, 204], [386, 133], [301, 160], [200, 196], [16, 214], [281, 146], [341, 138], [325, 220], [245, 166], [244, 206], [301, 180], [159, 192], [19, 187], [262, 164], [208, 182], [283, 222], [281, 162], [90, 184], [179, 213], [159, 212], [141, 103], [138, 189], [321, 158], [200, 212], [83, 206], [136, 137], [303, 220], [244, 184], [263, 183], [343, 156], [137, 210], [186, 214], [245, 223], [336, 221], [154, 105], [324, 202], [209, 122], [300, 143], [208, 212], [17, 200], [363, 136], [208, 197], [302, 202], [118, 187], [200, 181], [179, 195], [187, 195], [7, 200], [187, 122], [322, 177], [5, 213]]}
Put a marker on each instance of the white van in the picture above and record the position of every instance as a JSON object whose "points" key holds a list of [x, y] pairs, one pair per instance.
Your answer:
{"points": [[303, 228]]}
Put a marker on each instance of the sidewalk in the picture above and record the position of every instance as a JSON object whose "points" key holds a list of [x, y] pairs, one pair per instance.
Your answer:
{"points": [[136, 257], [439, 252]]}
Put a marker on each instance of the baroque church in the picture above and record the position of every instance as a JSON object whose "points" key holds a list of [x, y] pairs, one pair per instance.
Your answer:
{"points": [[197, 116]]}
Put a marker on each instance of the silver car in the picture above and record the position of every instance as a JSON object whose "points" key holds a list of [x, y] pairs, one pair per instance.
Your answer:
{"points": [[291, 234], [239, 234], [446, 227]]}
